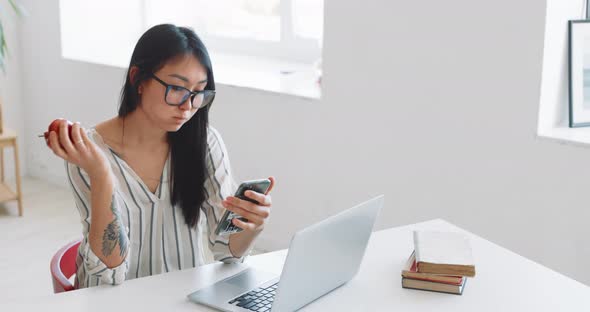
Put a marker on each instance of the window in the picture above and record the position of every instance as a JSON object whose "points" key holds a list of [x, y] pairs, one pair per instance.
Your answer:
{"points": [[278, 41], [289, 29], [103, 32], [106, 31]]}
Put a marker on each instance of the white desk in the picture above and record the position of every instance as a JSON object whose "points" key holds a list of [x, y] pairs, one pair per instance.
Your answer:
{"points": [[505, 281]]}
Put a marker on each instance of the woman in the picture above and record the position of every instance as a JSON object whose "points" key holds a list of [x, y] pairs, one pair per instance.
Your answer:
{"points": [[142, 181]]}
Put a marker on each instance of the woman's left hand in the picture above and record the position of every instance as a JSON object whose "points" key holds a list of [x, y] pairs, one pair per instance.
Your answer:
{"points": [[257, 214]]}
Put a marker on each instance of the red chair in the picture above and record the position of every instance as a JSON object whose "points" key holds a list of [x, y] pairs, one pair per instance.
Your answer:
{"points": [[63, 266]]}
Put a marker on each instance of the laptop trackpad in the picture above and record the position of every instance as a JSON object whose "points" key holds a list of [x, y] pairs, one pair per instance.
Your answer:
{"points": [[238, 284], [247, 279]]}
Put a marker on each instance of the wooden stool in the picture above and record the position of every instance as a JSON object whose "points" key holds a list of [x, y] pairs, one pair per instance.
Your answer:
{"points": [[8, 139]]}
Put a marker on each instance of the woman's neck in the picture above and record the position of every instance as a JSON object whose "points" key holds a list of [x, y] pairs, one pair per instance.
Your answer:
{"points": [[139, 131]]}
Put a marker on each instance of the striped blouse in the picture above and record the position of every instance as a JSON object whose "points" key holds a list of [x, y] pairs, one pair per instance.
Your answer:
{"points": [[159, 239]]}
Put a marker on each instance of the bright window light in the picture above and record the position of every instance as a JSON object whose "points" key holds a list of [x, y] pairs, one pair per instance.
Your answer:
{"points": [[105, 31]]}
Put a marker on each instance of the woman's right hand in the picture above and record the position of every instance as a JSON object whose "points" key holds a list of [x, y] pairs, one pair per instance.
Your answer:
{"points": [[79, 151]]}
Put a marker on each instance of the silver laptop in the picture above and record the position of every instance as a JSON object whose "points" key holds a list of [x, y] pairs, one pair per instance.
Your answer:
{"points": [[321, 258]]}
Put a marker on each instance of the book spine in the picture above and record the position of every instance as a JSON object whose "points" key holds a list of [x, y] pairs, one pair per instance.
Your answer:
{"points": [[433, 278]]}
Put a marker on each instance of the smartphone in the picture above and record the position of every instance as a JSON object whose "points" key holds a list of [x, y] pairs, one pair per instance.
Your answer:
{"points": [[225, 225]]}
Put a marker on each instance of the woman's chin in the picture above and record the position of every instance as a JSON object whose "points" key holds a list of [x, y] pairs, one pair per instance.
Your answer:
{"points": [[174, 127]]}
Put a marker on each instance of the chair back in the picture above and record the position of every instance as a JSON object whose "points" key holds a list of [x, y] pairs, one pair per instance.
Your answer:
{"points": [[63, 266]]}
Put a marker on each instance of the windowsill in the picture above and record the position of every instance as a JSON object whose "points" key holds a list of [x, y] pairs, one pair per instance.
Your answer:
{"points": [[264, 74], [566, 135]]}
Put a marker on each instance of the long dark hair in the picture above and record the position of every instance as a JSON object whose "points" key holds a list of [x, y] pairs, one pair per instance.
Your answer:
{"points": [[188, 145]]}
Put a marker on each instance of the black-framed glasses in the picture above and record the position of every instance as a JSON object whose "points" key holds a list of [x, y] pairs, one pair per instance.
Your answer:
{"points": [[177, 95]]}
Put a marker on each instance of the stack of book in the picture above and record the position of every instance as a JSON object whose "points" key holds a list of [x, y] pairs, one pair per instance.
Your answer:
{"points": [[441, 261]]}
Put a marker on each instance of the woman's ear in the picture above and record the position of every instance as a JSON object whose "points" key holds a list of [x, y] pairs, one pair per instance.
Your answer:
{"points": [[133, 72]]}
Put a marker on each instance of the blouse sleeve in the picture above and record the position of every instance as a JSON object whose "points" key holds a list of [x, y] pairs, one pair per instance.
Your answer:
{"points": [[79, 182], [218, 185]]}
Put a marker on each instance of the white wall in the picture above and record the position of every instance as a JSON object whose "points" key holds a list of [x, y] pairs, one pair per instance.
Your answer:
{"points": [[435, 106], [11, 91]]}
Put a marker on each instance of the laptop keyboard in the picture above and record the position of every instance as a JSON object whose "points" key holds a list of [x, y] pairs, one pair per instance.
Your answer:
{"points": [[259, 300]]}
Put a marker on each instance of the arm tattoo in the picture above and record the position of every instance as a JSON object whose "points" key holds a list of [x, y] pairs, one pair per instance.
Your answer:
{"points": [[114, 233]]}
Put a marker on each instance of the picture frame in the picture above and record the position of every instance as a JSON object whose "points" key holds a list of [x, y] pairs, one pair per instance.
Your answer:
{"points": [[579, 73]]}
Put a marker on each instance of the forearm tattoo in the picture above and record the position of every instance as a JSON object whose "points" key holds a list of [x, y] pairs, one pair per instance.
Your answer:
{"points": [[114, 233]]}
